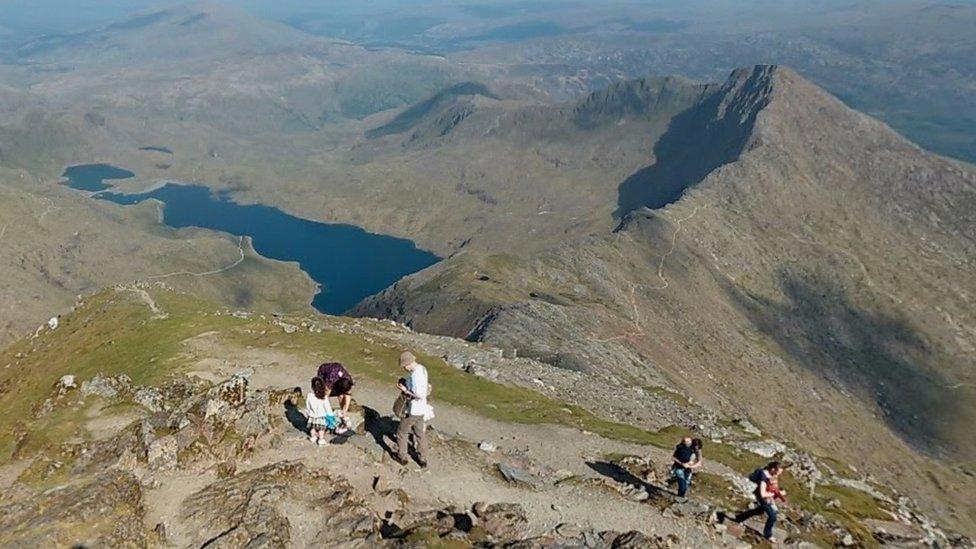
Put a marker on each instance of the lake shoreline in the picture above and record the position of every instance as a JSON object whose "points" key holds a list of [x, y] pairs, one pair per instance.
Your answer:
{"points": [[346, 262]]}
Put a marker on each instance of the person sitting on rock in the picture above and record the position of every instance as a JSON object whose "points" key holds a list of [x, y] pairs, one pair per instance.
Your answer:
{"points": [[764, 479], [338, 383], [682, 461], [318, 410]]}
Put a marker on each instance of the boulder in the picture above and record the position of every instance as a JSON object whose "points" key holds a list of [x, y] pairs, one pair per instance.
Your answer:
{"points": [[501, 521], [106, 387], [355, 421], [149, 398], [765, 448], [65, 384], [518, 475]]}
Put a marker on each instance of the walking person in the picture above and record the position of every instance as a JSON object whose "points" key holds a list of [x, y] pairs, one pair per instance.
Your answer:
{"points": [[338, 383], [682, 462], [767, 491], [414, 422]]}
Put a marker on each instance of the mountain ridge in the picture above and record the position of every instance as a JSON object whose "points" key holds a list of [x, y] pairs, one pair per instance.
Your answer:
{"points": [[797, 255]]}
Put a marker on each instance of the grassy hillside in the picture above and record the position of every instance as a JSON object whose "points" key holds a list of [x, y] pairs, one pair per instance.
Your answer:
{"points": [[146, 333]]}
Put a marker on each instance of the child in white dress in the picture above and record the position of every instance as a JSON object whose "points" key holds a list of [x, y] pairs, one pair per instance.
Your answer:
{"points": [[319, 412]]}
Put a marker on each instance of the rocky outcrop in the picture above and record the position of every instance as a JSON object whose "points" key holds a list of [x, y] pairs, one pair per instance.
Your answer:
{"points": [[104, 510], [280, 505]]}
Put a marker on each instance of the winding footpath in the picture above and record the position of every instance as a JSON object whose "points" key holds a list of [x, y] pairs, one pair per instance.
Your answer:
{"points": [[638, 330], [674, 242], [240, 248]]}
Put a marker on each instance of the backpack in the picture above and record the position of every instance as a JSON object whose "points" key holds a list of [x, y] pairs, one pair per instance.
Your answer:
{"points": [[400, 405], [758, 476]]}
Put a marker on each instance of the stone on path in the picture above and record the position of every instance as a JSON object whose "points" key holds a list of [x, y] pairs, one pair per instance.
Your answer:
{"points": [[518, 475]]}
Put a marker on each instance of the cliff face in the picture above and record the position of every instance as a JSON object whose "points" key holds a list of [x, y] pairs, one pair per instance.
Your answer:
{"points": [[804, 259]]}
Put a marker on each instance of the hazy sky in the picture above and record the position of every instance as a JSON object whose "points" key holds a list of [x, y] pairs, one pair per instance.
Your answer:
{"points": [[32, 17]]}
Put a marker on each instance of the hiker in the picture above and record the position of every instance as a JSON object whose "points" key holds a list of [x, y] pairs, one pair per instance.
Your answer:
{"points": [[417, 411], [767, 491], [318, 410], [338, 383], [683, 461]]}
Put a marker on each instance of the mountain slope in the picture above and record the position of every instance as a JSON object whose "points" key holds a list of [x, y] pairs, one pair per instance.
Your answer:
{"points": [[442, 100], [440, 178], [152, 417], [823, 260], [57, 244]]}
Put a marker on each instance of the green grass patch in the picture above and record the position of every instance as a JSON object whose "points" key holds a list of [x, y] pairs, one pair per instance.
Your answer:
{"points": [[855, 505], [717, 490], [742, 461], [836, 465], [112, 333], [668, 394]]}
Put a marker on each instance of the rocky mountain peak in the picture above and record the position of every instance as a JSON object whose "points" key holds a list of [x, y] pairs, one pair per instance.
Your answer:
{"points": [[748, 90]]}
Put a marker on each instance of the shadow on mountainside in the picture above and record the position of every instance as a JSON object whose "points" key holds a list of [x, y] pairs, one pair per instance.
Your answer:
{"points": [[705, 137], [871, 354]]}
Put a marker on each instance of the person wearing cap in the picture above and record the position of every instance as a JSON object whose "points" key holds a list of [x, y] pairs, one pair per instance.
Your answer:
{"points": [[416, 389]]}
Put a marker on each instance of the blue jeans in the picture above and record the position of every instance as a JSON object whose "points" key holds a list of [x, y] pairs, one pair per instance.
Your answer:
{"points": [[683, 476], [763, 506]]}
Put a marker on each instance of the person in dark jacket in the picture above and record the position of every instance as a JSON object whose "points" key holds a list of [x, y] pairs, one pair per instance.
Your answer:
{"points": [[683, 460], [338, 383], [767, 491]]}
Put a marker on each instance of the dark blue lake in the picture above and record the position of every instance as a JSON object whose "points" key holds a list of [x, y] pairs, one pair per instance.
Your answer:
{"points": [[349, 263], [93, 177]]}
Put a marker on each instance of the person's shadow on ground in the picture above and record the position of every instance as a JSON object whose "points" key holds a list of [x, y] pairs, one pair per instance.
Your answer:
{"points": [[380, 428], [294, 415], [619, 474]]}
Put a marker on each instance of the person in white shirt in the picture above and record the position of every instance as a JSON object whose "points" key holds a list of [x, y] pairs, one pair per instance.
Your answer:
{"points": [[414, 423], [319, 412]]}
